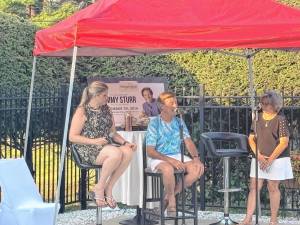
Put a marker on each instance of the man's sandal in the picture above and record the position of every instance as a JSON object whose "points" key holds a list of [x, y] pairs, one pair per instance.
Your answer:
{"points": [[171, 211], [245, 223]]}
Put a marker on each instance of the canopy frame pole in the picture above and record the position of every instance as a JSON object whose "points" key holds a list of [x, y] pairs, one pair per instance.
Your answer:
{"points": [[29, 106], [230, 53], [249, 56], [66, 126]]}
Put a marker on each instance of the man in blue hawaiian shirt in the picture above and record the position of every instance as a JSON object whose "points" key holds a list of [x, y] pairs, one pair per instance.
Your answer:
{"points": [[163, 149]]}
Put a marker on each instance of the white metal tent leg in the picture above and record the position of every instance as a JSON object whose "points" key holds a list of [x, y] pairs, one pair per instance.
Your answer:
{"points": [[29, 105], [64, 145]]}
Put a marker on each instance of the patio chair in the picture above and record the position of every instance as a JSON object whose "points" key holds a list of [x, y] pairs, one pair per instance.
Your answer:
{"points": [[157, 195], [85, 166], [214, 144], [21, 202]]}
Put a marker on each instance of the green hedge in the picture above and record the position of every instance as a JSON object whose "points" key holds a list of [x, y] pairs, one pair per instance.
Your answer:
{"points": [[48, 17], [221, 74], [16, 44], [16, 41], [228, 75]]}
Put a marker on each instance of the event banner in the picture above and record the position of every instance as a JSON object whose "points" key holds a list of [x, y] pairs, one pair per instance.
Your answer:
{"points": [[125, 97]]}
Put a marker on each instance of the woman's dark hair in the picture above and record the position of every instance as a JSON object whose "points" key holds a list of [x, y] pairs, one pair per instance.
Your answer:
{"points": [[147, 89]]}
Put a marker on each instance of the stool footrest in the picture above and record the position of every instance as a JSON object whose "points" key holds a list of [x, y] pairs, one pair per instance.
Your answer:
{"points": [[230, 190]]}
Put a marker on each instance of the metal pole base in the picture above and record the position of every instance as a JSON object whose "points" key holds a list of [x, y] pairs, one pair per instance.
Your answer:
{"points": [[225, 221], [98, 215], [137, 220]]}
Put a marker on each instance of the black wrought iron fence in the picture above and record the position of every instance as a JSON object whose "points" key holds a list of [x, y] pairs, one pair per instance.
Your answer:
{"points": [[233, 114], [202, 113]]}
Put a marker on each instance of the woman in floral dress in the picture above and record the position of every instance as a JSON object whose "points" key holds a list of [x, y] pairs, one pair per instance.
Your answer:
{"points": [[94, 135]]}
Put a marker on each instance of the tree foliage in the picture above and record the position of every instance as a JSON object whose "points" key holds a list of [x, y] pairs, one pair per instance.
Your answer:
{"points": [[292, 3], [16, 7], [51, 16]]}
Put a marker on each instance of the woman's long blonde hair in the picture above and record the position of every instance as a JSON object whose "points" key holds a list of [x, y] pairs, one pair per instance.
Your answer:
{"points": [[93, 89]]}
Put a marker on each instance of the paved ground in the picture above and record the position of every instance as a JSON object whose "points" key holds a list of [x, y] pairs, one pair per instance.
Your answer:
{"points": [[113, 217], [188, 222]]}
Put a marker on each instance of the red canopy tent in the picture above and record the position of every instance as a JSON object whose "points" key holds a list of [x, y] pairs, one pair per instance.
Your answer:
{"points": [[120, 27], [135, 27]]}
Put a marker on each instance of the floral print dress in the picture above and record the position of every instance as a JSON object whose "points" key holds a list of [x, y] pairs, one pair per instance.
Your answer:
{"points": [[98, 124]]}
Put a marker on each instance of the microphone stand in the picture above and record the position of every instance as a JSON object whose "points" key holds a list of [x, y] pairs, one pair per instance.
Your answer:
{"points": [[256, 110], [182, 148]]}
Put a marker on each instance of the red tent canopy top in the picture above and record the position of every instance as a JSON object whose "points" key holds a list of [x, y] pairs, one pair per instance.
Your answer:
{"points": [[133, 27]]}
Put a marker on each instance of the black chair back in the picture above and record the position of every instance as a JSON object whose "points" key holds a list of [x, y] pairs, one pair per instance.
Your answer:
{"points": [[239, 141], [79, 162], [144, 154]]}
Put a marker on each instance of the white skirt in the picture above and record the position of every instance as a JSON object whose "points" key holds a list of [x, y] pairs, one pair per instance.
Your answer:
{"points": [[153, 163], [281, 169]]}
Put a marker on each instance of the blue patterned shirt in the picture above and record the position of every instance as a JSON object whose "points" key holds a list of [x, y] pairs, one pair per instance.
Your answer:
{"points": [[165, 137]]}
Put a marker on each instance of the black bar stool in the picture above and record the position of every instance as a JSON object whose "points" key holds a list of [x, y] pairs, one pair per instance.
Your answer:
{"points": [[236, 145], [87, 167], [157, 195]]}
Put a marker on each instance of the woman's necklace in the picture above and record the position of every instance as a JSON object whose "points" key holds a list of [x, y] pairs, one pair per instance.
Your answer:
{"points": [[268, 118], [267, 123], [94, 108]]}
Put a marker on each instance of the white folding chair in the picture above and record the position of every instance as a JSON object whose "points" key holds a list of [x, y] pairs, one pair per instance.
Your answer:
{"points": [[21, 203]]}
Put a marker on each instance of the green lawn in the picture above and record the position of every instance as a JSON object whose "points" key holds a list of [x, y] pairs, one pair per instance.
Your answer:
{"points": [[45, 165]]}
